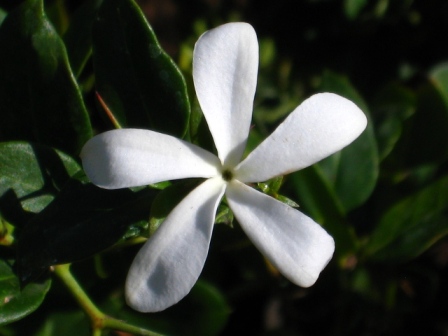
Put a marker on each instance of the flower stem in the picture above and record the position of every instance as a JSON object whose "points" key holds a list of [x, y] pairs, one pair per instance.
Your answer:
{"points": [[98, 319]]}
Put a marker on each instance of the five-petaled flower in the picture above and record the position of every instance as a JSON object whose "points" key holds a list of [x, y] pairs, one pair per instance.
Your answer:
{"points": [[225, 65]]}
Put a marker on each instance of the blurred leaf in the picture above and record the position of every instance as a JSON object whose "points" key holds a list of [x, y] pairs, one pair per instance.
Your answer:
{"points": [[352, 8], [316, 198], [424, 138], [267, 52], [6, 233], [81, 221], [30, 177], [138, 81], [354, 170], [439, 77], [393, 105], [78, 38], [204, 311], [57, 13], [16, 303], [2, 15], [71, 323], [411, 226], [41, 101]]}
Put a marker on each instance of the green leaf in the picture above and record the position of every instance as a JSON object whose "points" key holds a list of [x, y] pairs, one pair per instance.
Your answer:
{"points": [[57, 13], [439, 77], [412, 225], [30, 177], [272, 188], [354, 170], [138, 81], [204, 311], [2, 15], [424, 136], [352, 8], [67, 323], [41, 101], [16, 303], [316, 198], [78, 38], [393, 105], [81, 221], [224, 215]]}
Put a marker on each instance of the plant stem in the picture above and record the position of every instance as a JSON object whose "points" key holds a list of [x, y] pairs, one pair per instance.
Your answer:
{"points": [[99, 320]]}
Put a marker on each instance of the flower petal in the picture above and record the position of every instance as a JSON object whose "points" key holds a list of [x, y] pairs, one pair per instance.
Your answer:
{"points": [[225, 65], [131, 157], [169, 264], [319, 127], [297, 246]]}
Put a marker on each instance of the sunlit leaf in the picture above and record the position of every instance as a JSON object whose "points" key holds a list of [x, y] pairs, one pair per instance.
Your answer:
{"points": [[15, 302], [30, 177]]}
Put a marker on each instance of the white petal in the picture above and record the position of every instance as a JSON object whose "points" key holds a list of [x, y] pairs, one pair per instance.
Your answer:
{"points": [[169, 264], [319, 127], [297, 246], [225, 65], [131, 157]]}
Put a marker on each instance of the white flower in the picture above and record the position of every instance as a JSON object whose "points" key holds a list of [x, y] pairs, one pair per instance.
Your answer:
{"points": [[225, 67]]}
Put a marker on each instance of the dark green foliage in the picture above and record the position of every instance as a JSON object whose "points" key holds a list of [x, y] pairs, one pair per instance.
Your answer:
{"points": [[384, 198]]}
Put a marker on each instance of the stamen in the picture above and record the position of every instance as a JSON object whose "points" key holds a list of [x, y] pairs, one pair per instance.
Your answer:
{"points": [[227, 175]]}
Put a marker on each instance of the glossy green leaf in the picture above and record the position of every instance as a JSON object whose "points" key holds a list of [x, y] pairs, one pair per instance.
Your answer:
{"points": [[78, 38], [81, 221], [138, 81], [354, 170], [41, 101], [412, 225], [16, 303], [272, 188], [30, 177], [316, 198]]}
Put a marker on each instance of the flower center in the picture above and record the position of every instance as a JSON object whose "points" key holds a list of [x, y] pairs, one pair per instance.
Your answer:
{"points": [[227, 175]]}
